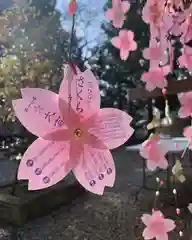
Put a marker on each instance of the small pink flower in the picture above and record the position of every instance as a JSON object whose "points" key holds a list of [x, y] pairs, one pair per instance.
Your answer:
{"points": [[116, 14], [186, 106], [185, 60], [155, 78], [188, 134], [154, 153], [155, 53], [72, 7], [157, 226], [152, 12], [125, 42]]}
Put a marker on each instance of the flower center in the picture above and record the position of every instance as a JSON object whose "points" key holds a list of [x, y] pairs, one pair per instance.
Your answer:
{"points": [[77, 132]]}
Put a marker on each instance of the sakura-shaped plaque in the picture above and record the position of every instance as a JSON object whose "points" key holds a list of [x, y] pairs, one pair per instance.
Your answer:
{"points": [[157, 226], [73, 134], [154, 152]]}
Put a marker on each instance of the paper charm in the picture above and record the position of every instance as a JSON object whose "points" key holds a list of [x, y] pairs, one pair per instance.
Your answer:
{"points": [[186, 106], [125, 42], [155, 78], [177, 171], [154, 152], [74, 134], [157, 226], [116, 14], [72, 7]]}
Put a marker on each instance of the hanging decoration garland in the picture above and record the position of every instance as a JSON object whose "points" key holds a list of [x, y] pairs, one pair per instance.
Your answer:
{"points": [[166, 19]]}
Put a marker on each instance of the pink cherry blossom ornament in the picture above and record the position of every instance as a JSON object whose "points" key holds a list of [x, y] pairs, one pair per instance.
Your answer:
{"points": [[74, 134], [186, 106], [154, 152], [155, 78], [157, 226], [116, 14], [125, 42]]}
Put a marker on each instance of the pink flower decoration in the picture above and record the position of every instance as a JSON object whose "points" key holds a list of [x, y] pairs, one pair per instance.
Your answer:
{"points": [[155, 53], [177, 27], [187, 29], [155, 78], [185, 60], [154, 153], [152, 12], [72, 7], [186, 106], [125, 42], [157, 226], [74, 134], [116, 14], [188, 134]]}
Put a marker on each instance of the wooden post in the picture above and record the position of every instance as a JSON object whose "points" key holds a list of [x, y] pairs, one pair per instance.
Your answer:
{"points": [[174, 87]]}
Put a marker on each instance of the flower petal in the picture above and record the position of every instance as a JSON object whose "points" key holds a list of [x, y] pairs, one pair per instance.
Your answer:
{"points": [[118, 21], [125, 5], [116, 3], [187, 132], [183, 112], [38, 111], [133, 46], [157, 215], [146, 53], [169, 225], [81, 92], [116, 41], [147, 234], [112, 126], [163, 236], [146, 219], [58, 135], [109, 14], [95, 170], [45, 163], [124, 54], [151, 165], [163, 163]]}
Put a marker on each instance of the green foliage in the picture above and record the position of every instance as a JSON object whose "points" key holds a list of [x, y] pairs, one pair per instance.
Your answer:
{"points": [[34, 53]]}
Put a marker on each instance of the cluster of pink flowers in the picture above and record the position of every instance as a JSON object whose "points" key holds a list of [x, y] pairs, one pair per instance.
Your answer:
{"points": [[125, 41], [167, 19]]}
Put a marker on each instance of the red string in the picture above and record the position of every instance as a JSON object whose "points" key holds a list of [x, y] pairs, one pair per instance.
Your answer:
{"points": [[72, 65]]}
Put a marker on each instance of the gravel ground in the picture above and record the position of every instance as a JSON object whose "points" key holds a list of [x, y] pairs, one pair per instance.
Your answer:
{"points": [[113, 216]]}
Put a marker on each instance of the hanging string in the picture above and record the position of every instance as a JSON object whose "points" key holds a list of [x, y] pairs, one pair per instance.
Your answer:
{"points": [[157, 193], [160, 183], [71, 65], [71, 46], [178, 212]]}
